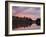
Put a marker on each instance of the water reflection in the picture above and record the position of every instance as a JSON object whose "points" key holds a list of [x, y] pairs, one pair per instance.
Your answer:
{"points": [[18, 22]]}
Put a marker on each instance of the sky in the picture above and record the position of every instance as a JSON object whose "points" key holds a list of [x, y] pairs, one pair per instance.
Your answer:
{"points": [[30, 12]]}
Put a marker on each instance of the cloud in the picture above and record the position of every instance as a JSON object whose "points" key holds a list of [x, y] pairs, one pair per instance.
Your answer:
{"points": [[26, 11]]}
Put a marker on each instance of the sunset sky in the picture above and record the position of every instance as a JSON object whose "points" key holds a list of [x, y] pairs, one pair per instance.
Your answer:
{"points": [[30, 12]]}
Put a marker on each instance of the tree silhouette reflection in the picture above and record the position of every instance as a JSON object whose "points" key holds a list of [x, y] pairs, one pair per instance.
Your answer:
{"points": [[23, 22]]}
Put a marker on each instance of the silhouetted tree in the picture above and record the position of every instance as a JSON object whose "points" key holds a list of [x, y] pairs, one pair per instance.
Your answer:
{"points": [[13, 22], [30, 22], [38, 21]]}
